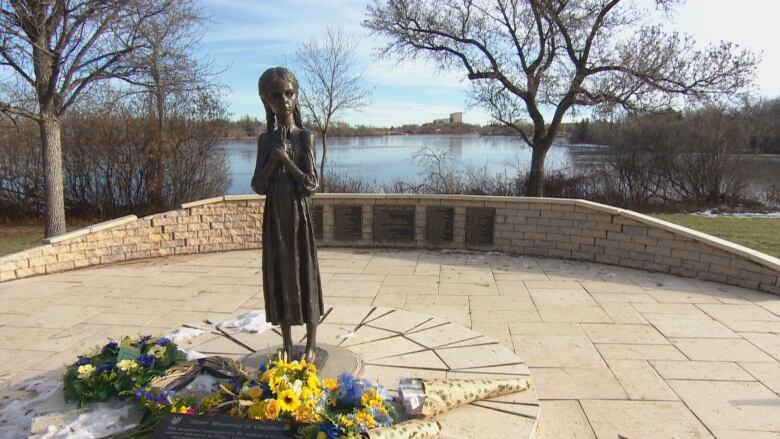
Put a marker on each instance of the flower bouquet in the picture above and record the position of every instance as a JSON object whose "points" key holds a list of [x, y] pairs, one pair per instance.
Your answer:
{"points": [[119, 369], [289, 392]]}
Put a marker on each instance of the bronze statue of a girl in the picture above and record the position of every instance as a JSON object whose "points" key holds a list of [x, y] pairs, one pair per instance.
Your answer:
{"points": [[286, 174]]}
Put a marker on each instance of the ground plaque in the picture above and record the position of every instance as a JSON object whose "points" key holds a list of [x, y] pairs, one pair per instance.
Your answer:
{"points": [[176, 426], [393, 223], [439, 223], [479, 225], [316, 216], [347, 223]]}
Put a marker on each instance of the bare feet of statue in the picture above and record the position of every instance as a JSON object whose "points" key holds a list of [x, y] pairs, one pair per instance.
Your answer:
{"points": [[287, 342]]}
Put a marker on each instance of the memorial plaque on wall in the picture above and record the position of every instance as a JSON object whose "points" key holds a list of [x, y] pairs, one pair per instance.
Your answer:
{"points": [[347, 223], [479, 225], [393, 223], [218, 427], [316, 214], [439, 223]]}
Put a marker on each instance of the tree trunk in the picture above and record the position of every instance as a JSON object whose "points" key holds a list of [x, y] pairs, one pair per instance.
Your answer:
{"points": [[322, 161], [535, 185], [51, 153]]}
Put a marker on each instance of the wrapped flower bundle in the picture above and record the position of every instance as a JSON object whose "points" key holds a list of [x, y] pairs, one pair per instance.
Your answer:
{"points": [[432, 397]]}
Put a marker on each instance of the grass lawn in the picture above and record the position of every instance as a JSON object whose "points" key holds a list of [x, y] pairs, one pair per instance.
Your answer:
{"points": [[762, 234], [14, 238]]}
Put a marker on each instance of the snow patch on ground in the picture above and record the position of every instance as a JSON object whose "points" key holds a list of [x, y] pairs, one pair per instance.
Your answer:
{"points": [[252, 322], [711, 213], [183, 334], [21, 402], [99, 422]]}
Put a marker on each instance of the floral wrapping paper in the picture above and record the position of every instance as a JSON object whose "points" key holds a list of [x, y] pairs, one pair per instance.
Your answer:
{"points": [[411, 429], [444, 395]]}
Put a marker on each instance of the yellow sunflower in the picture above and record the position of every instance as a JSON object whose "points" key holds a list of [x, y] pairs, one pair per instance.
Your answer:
{"points": [[288, 401]]}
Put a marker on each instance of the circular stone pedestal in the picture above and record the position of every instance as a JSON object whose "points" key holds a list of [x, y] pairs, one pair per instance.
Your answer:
{"points": [[330, 360]]}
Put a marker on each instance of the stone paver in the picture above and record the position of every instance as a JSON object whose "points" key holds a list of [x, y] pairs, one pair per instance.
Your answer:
{"points": [[612, 351]]}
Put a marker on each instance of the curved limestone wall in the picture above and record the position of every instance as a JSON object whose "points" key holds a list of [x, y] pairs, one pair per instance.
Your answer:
{"points": [[549, 227]]}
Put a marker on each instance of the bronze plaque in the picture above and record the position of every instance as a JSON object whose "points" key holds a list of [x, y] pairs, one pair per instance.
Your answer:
{"points": [[393, 223], [439, 223], [479, 225], [316, 217], [175, 426], [347, 223]]}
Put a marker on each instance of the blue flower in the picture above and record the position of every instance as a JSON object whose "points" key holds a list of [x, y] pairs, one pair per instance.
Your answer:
{"points": [[147, 360], [106, 367], [263, 368], [163, 341], [140, 393], [83, 361], [267, 393], [110, 346], [332, 431], [144, 339]]}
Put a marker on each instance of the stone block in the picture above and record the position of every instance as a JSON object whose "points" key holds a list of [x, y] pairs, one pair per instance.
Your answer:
{"points": [[185, 249], [760, 277], [188, 219], [138, 255], [109, 243], [635, 230], [114, 257], [593, 233], [196, 227], [658, 251], [27, 272], [686, 254], [715, 259], [7, 275], [43, 260], [96, 253], [60, 266], [156, 222], [205, 248], [70, 256], [172, 243], [655, 266], [607, 259], [609, 227]]}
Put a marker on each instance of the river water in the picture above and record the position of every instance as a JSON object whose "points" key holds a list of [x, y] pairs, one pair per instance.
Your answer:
{"points": [[382, 159]]}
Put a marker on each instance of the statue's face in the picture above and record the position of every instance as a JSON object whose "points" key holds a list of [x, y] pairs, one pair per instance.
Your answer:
{"points": [[281, 97]]}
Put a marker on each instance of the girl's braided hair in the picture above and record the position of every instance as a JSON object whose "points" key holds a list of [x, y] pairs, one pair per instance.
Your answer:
{"points": [[270, 75]]}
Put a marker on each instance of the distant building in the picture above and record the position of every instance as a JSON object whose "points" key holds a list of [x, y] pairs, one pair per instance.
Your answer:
{"points": [[454, 119]]}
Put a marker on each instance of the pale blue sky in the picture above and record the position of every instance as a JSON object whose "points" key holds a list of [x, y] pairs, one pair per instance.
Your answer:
{"points": [[248, 36]]}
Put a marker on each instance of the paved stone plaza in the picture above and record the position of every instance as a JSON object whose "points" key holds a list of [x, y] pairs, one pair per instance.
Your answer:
{"points": [[611, 350]]}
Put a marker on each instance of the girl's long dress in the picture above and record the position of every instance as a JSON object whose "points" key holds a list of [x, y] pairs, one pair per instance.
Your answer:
{"points": [[291, 276]]}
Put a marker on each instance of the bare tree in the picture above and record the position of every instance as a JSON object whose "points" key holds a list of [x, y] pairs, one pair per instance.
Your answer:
{"points": [[331, 82], [531, 58], [52, 51], [168, 71]]}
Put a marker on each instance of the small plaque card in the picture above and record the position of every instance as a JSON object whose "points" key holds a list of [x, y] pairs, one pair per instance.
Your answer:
{"points": [[128, 353], [176, 426]]}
